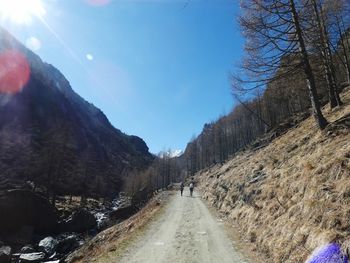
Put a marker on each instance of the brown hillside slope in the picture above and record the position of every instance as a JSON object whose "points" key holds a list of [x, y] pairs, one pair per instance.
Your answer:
{"points": [[109, 244], [293, 195]]}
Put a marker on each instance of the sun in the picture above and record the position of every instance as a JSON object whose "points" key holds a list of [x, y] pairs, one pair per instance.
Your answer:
{"points": [[21, 11]]}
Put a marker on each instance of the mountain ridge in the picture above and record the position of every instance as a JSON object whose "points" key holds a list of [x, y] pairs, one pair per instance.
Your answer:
{"points": [[47, 113]]}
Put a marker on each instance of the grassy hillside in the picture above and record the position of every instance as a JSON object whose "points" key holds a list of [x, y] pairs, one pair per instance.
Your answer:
{"points": [[292, 195]]}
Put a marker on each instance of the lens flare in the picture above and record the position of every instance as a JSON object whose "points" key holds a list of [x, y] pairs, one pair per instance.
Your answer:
{"points": [[33, 43], [329, 253], [14, 71], [89, 57]]}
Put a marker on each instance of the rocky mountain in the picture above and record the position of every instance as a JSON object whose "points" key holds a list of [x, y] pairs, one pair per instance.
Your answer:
{"points": [[52, 137]]}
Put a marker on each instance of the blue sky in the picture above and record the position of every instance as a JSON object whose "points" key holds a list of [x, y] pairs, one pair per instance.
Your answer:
{"points": [[158, 69]]}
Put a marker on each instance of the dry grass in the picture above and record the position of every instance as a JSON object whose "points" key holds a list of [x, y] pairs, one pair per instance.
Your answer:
{"points": [[65, 205], [110, 244], [301, 198]]}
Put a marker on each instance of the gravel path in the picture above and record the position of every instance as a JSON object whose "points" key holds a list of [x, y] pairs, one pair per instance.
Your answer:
{"points": [[185, 233]]}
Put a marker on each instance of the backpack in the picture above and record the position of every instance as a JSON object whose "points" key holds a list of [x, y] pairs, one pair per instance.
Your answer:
{"points": [[191, 185]]}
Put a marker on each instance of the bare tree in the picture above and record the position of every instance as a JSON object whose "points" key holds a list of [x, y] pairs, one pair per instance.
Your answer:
{"points": [[321, 40], [337, 14], [273, 31]]}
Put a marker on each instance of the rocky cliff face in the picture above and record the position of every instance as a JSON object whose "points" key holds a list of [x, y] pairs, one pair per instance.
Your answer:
{"points": [[53, 137], [292, 195]]}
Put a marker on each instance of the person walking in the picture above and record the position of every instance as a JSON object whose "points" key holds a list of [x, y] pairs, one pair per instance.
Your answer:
{"points": [[191, 188], [182, 188]]}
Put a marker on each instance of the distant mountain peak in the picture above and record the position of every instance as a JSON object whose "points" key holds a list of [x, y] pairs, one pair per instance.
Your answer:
{"points": [[171, 153]]}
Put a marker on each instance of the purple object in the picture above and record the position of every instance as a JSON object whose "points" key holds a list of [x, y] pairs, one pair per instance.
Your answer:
{"points": [[330, 253]]}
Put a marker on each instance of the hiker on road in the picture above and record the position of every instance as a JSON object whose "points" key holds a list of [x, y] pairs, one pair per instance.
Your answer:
{"points": [[182, 188], [191, 188]]}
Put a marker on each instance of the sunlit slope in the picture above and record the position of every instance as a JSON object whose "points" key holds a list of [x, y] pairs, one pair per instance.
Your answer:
{"points": [[294, 194]]}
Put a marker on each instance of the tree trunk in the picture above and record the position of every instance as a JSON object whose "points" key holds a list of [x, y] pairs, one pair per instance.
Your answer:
{"points": [[335, 88], [310, 78], [346, 58], [53, 202], [83, 200], [334, 99]]}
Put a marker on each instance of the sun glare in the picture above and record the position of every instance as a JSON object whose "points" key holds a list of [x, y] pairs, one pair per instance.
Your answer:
{"points": [[21, 11]]}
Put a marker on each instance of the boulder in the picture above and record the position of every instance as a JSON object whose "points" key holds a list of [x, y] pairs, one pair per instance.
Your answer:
{"points": [[27, 249], [32, 257], [26, 208], [5, 254], [140, 197], [123, 213], [48, 245], [79, 222], [67, 244]]}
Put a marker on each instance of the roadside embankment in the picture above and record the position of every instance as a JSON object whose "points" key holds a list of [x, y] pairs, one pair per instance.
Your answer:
{"points": [[293, 195], [111, 242]]}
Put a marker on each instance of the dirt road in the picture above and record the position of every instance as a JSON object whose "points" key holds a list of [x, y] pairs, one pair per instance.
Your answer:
{"points": [[185, 233]]}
